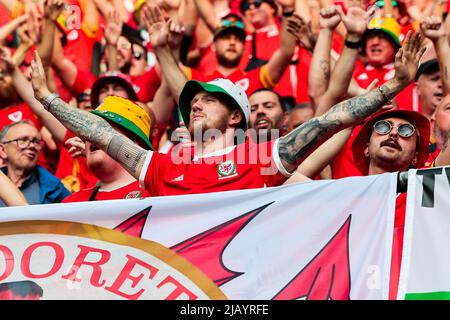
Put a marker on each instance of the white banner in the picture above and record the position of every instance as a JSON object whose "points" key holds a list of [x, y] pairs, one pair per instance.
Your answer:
{"points": [[316, 240], [424, 271]]}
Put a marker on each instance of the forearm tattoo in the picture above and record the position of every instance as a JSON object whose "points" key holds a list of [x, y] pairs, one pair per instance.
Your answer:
{"points": [[325, 66], [297, 145], [98, 131], [129, 154]]}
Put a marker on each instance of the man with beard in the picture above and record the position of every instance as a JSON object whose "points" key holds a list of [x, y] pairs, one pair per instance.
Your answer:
{"points": [[20, 145], [229, 45], [267, 113], [219, 109]]}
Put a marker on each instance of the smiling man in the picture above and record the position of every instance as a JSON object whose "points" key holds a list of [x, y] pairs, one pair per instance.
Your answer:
{"points": [[20, 145]]}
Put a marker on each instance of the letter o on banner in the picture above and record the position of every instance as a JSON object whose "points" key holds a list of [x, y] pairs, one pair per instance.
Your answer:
{"points": [[26, 259], [9, 262]]}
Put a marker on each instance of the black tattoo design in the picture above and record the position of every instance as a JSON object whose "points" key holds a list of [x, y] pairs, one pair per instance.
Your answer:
{"points": [[97, 130], [297, 145], [325, 66]]}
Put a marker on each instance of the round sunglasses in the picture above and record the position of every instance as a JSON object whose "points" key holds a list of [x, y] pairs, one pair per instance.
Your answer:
{"points": [[384, 127]]}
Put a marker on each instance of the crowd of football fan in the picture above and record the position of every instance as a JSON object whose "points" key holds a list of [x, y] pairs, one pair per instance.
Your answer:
{"points": [[104, 99]]}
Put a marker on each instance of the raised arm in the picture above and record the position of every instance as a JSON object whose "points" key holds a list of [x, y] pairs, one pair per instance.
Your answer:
{"points": [[25, 91], [207, 13], [281, 58], [10, 27], [319, 69], [159, 31], [355, 22], [65, 68], [298, 144], [433, 29], [53, 9], [112, 33], [88, 126]]}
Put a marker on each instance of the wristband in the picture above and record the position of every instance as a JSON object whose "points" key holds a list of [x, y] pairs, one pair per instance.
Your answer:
{"points": [[287, 14], [353, 45], [47, 101]]}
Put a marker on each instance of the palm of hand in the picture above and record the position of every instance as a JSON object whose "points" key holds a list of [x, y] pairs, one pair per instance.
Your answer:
{"points": [[113, 31], [356, 20], [405, 68], [159, 34]]}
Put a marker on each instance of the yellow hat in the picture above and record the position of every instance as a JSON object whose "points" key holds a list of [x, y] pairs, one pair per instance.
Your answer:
{"points": [[387, 25], [128, 115]]}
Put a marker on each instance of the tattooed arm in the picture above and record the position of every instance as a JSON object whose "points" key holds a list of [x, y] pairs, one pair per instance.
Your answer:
{"points": [[297, 145], [90, 127], [319, 73]]}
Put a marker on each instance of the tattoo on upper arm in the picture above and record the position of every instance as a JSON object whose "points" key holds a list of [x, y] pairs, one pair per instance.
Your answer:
{"points": [[130, 155]]}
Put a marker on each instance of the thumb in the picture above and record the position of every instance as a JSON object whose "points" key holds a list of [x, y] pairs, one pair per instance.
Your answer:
{"points": [[372, 85], [340, 11]]}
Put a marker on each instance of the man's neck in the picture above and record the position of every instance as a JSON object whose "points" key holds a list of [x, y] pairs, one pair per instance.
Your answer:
{"points": [[226, 71], [18, 175], [115, 180], [379, 169], [215, 144]]}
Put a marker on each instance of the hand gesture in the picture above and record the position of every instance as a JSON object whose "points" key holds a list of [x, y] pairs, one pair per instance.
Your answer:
{"points": [[302, 31], [52, 9], [38, 79], [432, 28], [113, 28], [329, 18], [157, 28], [175, 34], [356, 19], [76, 146], [6, 64], [408, 57]]}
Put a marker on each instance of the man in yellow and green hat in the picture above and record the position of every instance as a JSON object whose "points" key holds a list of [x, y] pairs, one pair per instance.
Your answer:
{"points": [[114, 181], [379, 46]]}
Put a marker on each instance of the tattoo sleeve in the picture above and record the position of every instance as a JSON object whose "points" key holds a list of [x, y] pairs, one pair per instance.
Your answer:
{"points": [[325, 66], [98, 131], [297, 145]]}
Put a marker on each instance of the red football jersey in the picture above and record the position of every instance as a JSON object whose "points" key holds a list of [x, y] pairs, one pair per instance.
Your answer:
{"points": [[129, 191], [244, 166]]}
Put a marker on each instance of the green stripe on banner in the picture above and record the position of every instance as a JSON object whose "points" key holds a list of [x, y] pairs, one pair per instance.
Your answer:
{"points": [[441, 295]]}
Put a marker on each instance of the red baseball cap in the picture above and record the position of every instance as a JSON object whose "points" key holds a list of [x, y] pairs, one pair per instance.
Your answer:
{"points": [[418, 120]]}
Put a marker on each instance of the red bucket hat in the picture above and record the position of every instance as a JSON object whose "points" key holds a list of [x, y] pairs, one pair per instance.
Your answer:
{"points": [[418, 120]]}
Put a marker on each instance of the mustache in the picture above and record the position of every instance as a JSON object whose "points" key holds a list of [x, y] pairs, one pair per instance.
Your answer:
{"points": [[391, 143]]}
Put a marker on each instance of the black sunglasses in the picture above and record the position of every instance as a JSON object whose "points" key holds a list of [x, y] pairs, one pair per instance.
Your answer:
{"points": [[384, 127], [246, 5]]}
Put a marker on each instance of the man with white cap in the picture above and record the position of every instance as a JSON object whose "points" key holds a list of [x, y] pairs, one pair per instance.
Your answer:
{"points": [[221, 162]]}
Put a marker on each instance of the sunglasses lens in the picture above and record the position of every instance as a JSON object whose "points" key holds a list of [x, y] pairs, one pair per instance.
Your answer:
{"points": [[406, 130], [382, 127]]}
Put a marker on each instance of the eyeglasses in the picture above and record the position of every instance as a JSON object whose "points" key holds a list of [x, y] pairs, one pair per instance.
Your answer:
{"points": [[384, 127], [246, 5], [380, 3], [23, 143], [229, 23]]}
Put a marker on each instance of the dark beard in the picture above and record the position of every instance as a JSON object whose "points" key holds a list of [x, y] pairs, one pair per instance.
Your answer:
{"points": [[227, 63]]}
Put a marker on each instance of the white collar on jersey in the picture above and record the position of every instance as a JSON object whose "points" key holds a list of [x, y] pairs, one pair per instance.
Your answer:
{"points": [[216, 153]]}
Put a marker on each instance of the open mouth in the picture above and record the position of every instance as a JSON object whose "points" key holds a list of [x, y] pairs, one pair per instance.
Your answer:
{"points": [[262, 122]]}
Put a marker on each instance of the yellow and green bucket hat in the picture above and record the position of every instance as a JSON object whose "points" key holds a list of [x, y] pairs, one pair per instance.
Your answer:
{"points": [[127, 115]]}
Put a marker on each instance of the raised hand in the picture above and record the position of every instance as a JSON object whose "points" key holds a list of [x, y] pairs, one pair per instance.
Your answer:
{"points": [[329, 18], [432, 28], [286, 4], [176, 32], [38, 79], [302, 31], [76, 146], [113, 28], [356, 19], [156, 26], [408, 57], [52, 9]]}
